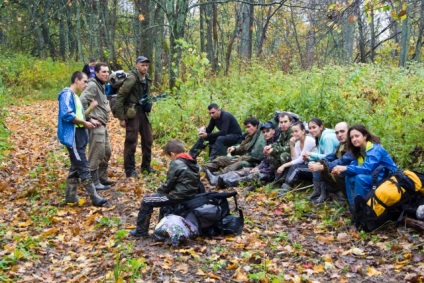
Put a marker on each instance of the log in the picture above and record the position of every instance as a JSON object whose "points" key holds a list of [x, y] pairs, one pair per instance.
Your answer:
{"points": [[413, 223]]}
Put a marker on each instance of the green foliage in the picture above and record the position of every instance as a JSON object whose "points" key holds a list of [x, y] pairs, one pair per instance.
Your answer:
{"points": [[4, 132], [385, 99], [34, 79]]}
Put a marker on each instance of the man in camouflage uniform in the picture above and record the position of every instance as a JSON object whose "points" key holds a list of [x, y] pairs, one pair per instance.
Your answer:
{"points": [[248, 154], [279, 152]]}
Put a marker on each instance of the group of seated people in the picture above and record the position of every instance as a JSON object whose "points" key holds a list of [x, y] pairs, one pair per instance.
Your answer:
{"points": [[337, 161]]}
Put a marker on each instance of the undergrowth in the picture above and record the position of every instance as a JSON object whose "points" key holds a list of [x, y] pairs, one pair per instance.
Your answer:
{"points": [[386, 99]]}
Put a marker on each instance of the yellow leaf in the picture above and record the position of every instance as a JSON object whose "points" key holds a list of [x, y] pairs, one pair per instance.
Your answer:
{"points": [[200, 272], [183, 268], [26, 223], [232, 266], [240, 276], [211, 275], [81, 201], [373, 272], [318, 268], [140, 17]]}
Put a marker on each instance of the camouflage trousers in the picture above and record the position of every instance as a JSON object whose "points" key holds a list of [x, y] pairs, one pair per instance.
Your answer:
{"points": [[225, 164], [277, 162]]}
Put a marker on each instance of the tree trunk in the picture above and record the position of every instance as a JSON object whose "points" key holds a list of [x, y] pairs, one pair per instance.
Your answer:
{"points": [[348, 33], [372, 33], [361, 43], [418, 46], [406, 32], [246, 18], [159, 52]]}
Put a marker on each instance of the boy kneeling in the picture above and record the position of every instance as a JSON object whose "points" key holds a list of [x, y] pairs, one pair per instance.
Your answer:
{"points": [[182, 183]]}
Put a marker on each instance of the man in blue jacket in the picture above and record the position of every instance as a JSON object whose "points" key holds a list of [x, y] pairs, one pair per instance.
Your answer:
{"points": [[228, 134], [72, 132], [330, 182]]}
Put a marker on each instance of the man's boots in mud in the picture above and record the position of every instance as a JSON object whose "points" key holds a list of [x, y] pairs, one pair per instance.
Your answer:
{"points": [[142, 229], [96, 181], [324, 194], [103, 176], [71, 195], [91, 190], [213, 180]]}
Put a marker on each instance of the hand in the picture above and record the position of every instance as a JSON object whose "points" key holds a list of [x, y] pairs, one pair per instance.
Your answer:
{"points": [[234, 160], [95, 122], [93, 104], [292, 141], [281, 168], [306, 156], [338, 170], [231, 149], [122, 123], [88, 125], [315, 166], [203, 135], [254, 170]]}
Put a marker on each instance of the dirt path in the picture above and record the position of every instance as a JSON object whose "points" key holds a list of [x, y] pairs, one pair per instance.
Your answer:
{"points": [[291, 240]]}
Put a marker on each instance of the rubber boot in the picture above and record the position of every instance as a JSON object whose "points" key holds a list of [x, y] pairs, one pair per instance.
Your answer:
{"points": [[284, 189], [71, 190], [213, 180], [96, 181], [324, 194], [91, 190], [317, 190], [103, 176], [142, 229]]}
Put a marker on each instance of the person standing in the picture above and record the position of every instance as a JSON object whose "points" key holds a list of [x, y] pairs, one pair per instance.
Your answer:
{"points": [[133, 106], [99, 143], [228, 134], [88, 69], [72, 133]]}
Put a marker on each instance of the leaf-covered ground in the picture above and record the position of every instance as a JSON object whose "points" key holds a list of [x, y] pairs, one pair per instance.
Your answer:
{"points": [[284, 240]]}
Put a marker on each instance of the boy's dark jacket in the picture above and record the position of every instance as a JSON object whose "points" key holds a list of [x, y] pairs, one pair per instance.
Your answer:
{"points": [[182, 180]]}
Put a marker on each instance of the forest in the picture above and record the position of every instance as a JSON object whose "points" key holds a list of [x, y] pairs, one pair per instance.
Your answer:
{"points": [[358, 61]]}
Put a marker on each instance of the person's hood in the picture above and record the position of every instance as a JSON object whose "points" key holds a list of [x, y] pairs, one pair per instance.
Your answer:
{"points": [[189, 161]]}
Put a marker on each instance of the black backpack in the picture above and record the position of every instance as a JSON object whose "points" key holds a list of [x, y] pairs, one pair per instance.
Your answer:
{"points": [[210, 213]]}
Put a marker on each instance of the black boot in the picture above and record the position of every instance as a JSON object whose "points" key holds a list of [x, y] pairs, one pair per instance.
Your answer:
{"points": [[221, 183], [324, 194], [71, 190], [142, 229], [96, 182], [213, 180], [103, 176], [91, 190], [317, 190]]}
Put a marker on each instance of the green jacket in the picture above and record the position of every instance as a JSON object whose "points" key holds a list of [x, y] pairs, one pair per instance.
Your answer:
{"points": [[182, 180], [133, 88], [96, 91], [251, 148], [282, 145]]}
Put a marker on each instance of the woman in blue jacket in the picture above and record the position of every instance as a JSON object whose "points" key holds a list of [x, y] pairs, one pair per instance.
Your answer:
{"points": [[369, 154]]}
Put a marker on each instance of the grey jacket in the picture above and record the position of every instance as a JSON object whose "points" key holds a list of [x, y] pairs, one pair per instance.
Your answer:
{"points": [[96, 91]]}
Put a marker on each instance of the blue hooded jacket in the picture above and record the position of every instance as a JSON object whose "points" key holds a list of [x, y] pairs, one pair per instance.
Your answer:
{"points": [[67, 110]]}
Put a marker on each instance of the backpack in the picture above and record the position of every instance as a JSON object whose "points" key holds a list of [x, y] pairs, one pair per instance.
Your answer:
{"points": [[210, 213], [116, 80], [388, 200]]}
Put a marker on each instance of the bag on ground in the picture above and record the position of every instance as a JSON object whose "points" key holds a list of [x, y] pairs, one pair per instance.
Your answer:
{"points": [[389, 198], [210, 213], [175, 229]]}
